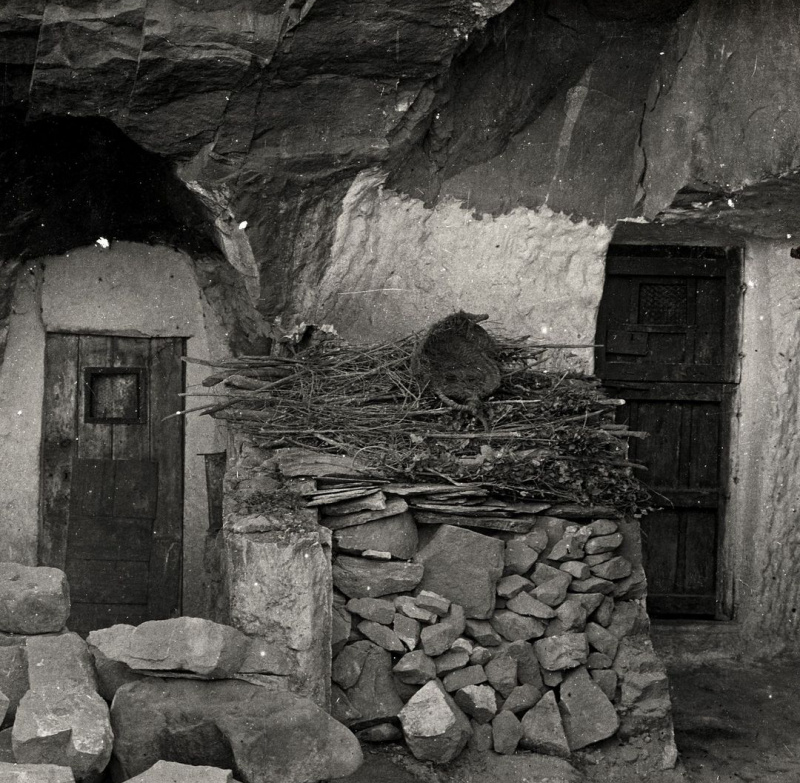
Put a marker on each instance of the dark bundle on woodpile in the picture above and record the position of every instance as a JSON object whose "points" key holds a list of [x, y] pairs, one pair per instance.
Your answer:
{"points": [[480, 410]]}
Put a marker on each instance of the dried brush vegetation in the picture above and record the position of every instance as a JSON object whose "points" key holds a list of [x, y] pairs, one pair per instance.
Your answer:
{"points": [[540, 435]]}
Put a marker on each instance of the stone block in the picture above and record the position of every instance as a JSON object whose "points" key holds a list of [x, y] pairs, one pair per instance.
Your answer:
{"points": [[602, 527], [600, 544], [510, 586], [439, 638], [518, 557], [556, 653], [615, 569], [592, 584], [576, 569], [433, 602], [542, 729], [33, 600], [526, 604], [270, 737], [396, 535], [407, 630], [434, 727], [358, 577], [480, 655], [602, 640], [464, 566], [60, 661], [381, 635], [405, 605], [606, 680], [470, 675], [502, 674], [477, 701], [522, 698], [455, 658], [553, 592], [586, 711], [67, 727], [483, 633], [572, 615], [528, 670]]}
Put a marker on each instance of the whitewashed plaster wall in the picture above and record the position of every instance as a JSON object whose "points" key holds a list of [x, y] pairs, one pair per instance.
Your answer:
{"points": [[126, 289], [397, 266]]}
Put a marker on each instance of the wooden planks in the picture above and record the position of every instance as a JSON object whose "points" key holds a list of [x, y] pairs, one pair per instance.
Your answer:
{"points": [[132, 441]]}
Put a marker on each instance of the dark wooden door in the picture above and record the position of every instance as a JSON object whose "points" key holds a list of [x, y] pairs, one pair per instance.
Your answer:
{"points": [[112, 475], [667, 332]]}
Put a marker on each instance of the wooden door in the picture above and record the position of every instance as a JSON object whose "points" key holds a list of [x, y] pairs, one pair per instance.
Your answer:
{"points": [[112, 475], [667, 332]]}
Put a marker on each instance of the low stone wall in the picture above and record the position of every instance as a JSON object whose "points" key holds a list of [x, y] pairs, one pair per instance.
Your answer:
{"points": [[525, 631]]}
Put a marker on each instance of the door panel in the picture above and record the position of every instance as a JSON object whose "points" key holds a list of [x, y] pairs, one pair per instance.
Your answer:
{"points": [[112, 480], [667, 348]]}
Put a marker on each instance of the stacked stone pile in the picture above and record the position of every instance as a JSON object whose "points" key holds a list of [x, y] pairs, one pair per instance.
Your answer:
{"points": [[509, 628], [186, 689]]}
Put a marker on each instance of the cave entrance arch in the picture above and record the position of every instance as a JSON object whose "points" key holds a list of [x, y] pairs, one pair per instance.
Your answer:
{"points": [[667, 337]]}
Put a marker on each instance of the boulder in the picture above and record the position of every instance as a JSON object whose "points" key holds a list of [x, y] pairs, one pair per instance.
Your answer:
{"points": [[542, 729], [396, 535], [33, 600], [183, 644], [267, 737], [434, 727], [464, 566], [173, 772], [66, 727], [35, 773], [358, 577], [586, 712], [374, 695], [13, 678]]}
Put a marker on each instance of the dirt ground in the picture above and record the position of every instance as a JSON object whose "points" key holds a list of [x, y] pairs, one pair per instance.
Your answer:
{"points": [[737, 722]]}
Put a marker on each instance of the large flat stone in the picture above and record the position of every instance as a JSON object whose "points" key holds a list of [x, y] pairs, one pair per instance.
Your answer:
{"points": [[464, 566], [33, 600], [270, 737], [358, 577]]}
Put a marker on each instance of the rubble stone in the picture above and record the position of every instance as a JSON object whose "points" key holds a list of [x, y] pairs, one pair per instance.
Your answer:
{"points": [[382, 732], [405, 605], [480, 655], [433, 602], [633, 586], [586, 711], [477, 701], [357, 577], [502, 674], [603, 557], [33, 599], [13, 677], [348, 664], [434, 727], [528, 670], [572, 615], [510, 586], [439, 638], [381, 635], [481, 739], [597, 660], [606, 680], [600, 544], [522, 698], [591, 585], [629, 618], [462, 643], [464, 566], [513, 626], [566, 651], [4, 705], [415, 668], [536, 540], [394, 507], [506, 732], [407, 630], [614, 569], [552, 679], [483, 633], [590, 601], [542, 729], [451, 660], [602, 527], [526, 604], [341, 708], [374, 695], [569, 546], [396, 535], [376, 609], [470, 675], [552, 592], [576, 569], [518, 557], [341, 624], [272, 737], [602, 640]]}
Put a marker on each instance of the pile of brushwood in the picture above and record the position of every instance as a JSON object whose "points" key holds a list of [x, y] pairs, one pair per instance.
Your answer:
{"points": [[539, 435]]}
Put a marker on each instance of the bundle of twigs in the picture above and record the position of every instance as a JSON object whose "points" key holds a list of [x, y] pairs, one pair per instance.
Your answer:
{"points": [[550, 436]]}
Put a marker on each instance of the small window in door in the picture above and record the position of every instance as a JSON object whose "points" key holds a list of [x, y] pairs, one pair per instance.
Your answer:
{"points": [[114, 395]]}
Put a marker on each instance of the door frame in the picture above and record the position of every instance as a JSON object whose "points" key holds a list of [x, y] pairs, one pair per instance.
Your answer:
{"points": [[731, 259]]}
